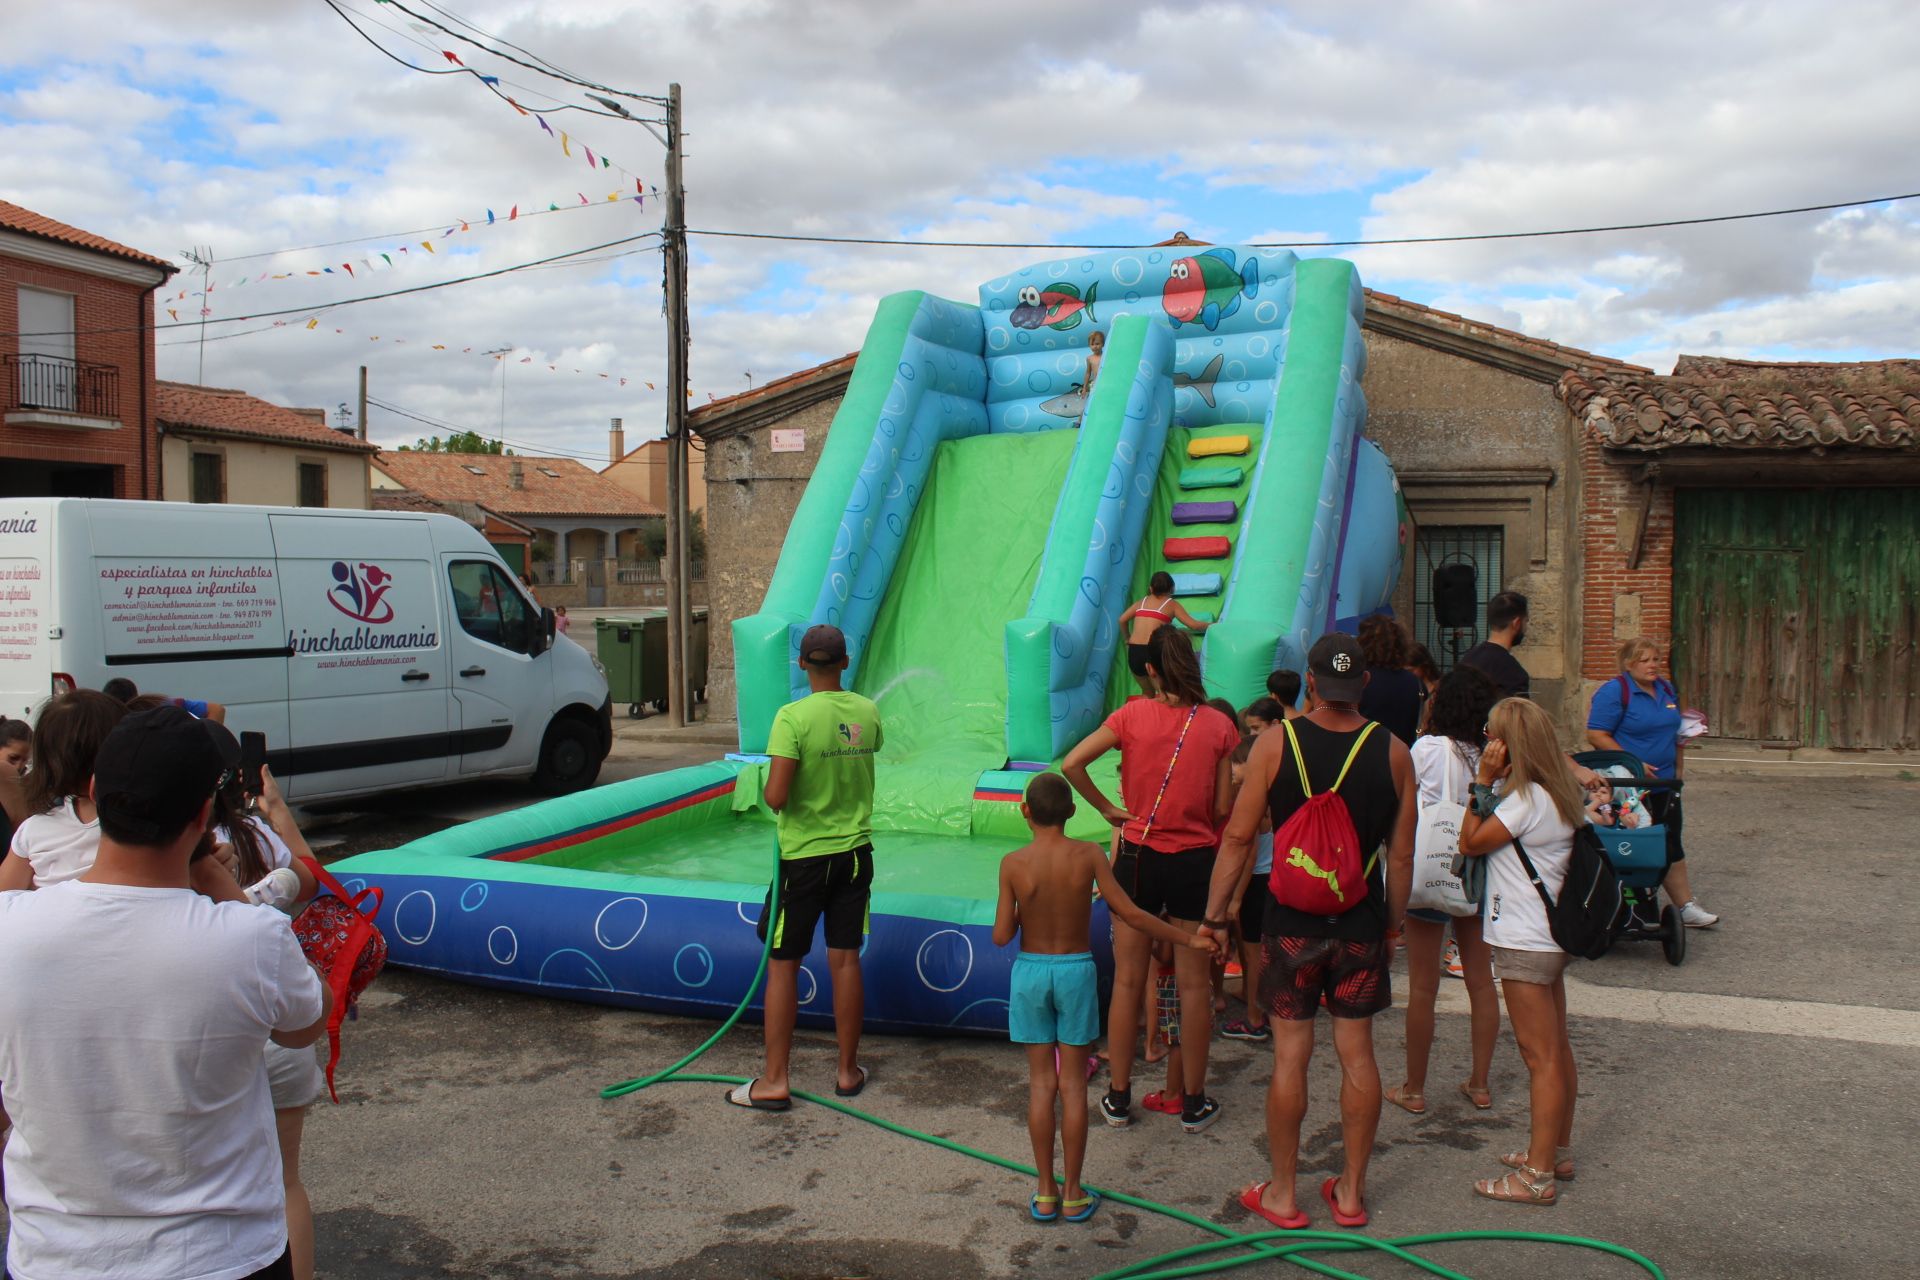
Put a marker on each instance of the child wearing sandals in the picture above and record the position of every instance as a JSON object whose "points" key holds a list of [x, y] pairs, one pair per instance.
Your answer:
{"points": [[1046, 899]]}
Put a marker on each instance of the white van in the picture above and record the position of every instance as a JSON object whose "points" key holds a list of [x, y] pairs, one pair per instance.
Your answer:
{"points": [[376, 650]]}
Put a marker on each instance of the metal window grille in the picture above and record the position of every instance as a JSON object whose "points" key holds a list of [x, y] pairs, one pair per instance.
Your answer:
{"points": [[1478, 546]]}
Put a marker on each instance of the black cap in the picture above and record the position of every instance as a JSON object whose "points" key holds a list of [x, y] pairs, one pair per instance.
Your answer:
{"points": [[823, 645], [1338, 666], [153, 773]]}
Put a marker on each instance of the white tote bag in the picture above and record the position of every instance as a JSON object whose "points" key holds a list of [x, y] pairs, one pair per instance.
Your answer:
{"points": [[1436, 840]]}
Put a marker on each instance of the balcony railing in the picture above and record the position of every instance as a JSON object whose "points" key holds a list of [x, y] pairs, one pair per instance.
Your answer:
{"points": [[62, 386]]}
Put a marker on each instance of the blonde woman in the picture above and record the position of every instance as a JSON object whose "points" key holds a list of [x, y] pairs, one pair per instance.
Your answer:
{"points": [[1539, 806]]}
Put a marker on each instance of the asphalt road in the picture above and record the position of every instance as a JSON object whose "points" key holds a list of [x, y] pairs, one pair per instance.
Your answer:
{"points": [[1748, 1114]]}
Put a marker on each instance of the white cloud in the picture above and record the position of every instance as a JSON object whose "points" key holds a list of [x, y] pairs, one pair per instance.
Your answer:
{"points": [[250, 127]]}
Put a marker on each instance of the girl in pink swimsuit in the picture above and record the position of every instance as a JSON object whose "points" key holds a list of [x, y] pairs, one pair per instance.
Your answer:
{"points": [[1154, 610]]}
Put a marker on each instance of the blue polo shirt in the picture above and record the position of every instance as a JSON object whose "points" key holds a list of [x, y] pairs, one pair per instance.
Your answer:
{"points": [[1648, 726]]}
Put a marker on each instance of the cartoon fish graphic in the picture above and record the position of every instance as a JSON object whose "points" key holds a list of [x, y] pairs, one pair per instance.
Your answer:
{"points": [[1072, 405], [1057, 307], [1206, 288], [1203, 384]]}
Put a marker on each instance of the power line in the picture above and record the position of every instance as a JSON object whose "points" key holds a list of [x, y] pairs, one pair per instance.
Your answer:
{"points": [[414, 231], [542, 70], [1315, 244], [444, 425], [347, 302]]}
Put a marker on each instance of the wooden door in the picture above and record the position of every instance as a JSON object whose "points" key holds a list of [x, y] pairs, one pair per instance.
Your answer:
{"points": [[1795, 614]]}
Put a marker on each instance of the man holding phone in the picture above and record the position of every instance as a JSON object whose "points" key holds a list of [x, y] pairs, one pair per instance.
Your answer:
{"points": [[145, 1138]]}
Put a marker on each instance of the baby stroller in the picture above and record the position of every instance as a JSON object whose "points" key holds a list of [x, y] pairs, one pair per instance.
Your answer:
{"points": [[1639, 855]]}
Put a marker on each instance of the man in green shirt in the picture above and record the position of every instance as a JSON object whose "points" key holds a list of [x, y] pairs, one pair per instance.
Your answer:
{"points": [[820, 782]]}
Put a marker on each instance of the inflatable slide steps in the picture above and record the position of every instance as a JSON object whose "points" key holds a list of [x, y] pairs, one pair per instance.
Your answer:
{"points": [[1206, 475]]}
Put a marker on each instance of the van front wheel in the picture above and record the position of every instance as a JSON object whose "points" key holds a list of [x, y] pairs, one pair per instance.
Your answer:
{"points": [[569, 757]]}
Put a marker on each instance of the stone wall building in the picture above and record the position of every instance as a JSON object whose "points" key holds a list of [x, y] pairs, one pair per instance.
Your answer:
{"points": [[754, 481]]}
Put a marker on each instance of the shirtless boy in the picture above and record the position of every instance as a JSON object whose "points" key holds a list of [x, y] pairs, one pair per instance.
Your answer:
{"points": [[1046, 897]]}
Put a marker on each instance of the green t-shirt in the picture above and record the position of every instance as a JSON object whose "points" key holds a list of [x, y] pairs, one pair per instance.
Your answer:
{"points": [[834, 736]]}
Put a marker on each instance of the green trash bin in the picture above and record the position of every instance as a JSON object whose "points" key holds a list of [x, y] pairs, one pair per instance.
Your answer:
{"points": [[653, 657], [620, 645]]}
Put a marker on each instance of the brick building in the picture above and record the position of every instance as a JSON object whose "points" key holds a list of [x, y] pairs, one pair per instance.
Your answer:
{"points": [[1764, 520], [76, 362]]}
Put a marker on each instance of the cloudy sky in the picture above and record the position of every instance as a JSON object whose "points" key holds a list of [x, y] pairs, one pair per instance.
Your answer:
{"points": [[258, 128]]}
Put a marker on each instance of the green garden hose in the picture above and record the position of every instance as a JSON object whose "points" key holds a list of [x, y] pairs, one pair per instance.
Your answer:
{"points": [[1295, 1247]]}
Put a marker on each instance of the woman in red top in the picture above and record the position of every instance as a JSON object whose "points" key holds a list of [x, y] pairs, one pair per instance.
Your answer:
{"points": [[1175, 781]]}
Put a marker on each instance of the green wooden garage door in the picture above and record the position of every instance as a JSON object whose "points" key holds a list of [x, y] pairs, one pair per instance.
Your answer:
{"points": [[1797, 614]]}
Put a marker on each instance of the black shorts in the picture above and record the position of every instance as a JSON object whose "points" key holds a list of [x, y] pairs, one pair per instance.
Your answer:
{"points": [[1137, 660], [1253, 910], [835, 885], [1169, 884]]}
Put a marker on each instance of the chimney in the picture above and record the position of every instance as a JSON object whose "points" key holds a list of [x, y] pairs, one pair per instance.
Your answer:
{"points": [[616, 443], [516, 475]]}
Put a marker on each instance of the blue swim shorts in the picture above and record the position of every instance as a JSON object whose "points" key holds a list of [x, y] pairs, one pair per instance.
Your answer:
{"points": [[1054, 1000]]}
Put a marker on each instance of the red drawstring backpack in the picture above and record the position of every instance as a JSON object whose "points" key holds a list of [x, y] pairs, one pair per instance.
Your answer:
{"points": [[341, 940], [1316, 852]]}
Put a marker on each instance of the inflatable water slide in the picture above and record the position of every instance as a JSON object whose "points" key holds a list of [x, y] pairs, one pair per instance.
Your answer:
{"points": [[999, 483]]}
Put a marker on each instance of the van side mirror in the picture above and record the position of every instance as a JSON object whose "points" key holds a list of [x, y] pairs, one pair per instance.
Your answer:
{"points": [[544, 633]]}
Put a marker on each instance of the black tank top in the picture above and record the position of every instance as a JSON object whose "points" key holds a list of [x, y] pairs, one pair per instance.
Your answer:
{"points": [[1372, 800]]}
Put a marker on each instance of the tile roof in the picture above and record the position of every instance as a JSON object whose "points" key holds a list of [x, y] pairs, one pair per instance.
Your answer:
{"points": [[473, 513], [574, 489], [1388, 307], [181, 406], [807, 384], [27, 222], [1751, 404]]}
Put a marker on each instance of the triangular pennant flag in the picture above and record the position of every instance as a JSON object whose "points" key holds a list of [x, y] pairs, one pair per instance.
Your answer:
{"points": [[516, 106], [348, 268], [582, 195], [591, 163], [613, 195], [314, 323], [450, 56], [649, 386], [552, 208], [489, 79], [638, 189], [605, 163], [447, 233], [564, 148], [388, 257], [489, 217], [513, 213], [427, 245], [623, 381], [544, 124], [313, 273], [173, 313], [463, 226], [326, 271], [526, 359], [403, 248]]}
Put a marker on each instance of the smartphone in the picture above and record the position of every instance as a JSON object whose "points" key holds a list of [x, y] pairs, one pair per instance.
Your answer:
{"points": [[253, 758]]}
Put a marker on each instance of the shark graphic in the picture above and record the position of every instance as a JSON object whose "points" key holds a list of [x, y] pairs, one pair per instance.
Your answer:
{"points": [[1204, 384], [1072, 405]]}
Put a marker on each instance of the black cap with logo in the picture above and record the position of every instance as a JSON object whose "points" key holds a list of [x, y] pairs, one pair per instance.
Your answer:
{"points": [[823, 645], [1338, 666], [153, 773]]}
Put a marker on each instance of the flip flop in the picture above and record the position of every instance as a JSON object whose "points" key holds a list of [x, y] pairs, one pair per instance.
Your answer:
{"points": [[1082, 1208], [1359, 1219], [1250, 1201], [1033, 1208], [741, 1095], [854, 1092], [1398, 1096]]}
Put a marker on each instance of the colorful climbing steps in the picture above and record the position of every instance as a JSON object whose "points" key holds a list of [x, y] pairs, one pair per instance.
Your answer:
{"points": [[1205, 512], [1195, 548], [1217, 447], [1220, 476], [1196, 584]]}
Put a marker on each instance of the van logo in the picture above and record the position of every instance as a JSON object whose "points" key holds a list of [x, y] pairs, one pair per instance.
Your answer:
{"points": [[359, 591]]}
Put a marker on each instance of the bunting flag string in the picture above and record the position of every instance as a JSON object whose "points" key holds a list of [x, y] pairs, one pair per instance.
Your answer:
{"points": [[395, 257]]}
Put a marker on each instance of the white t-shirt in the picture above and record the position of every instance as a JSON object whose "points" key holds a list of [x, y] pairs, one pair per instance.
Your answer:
{"points": [[143, 1135], [273, 850], [1515, 916], [57, 843], [1433, 756]]}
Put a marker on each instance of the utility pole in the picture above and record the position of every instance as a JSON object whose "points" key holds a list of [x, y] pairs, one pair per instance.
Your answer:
{"points": [[674, 242], [363, 402]]}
